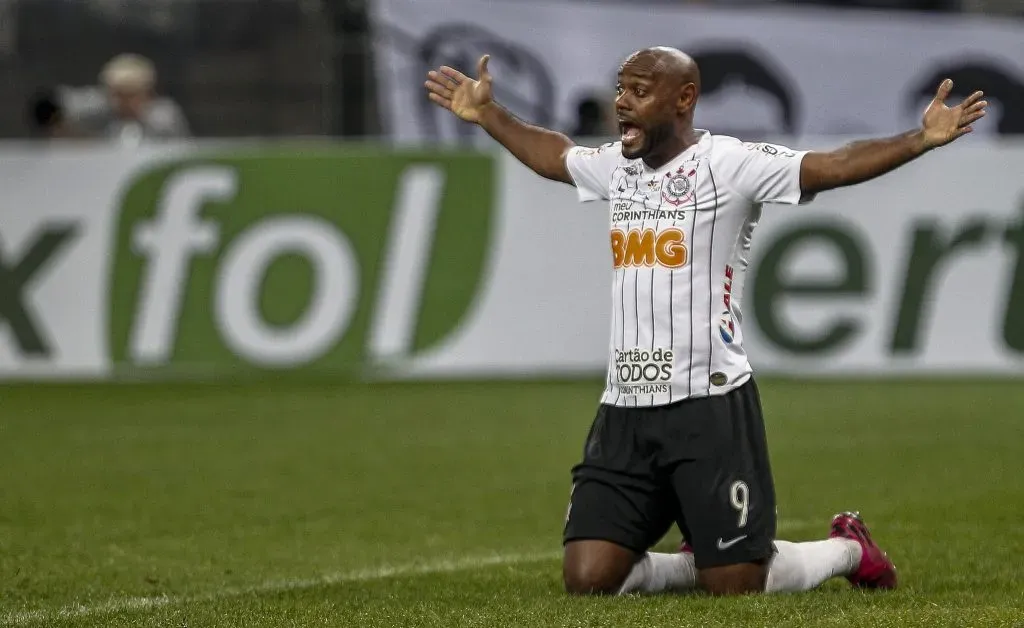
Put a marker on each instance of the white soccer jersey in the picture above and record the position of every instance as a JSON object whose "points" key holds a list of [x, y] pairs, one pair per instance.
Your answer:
{"points": [[680, 238]]}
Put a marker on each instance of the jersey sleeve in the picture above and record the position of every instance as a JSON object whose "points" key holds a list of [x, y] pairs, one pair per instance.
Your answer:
{"points": [[767, 173], [592, 169]]}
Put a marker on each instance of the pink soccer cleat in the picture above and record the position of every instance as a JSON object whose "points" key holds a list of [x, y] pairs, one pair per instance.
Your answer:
{"points": [[685, 547], [876, 570]]}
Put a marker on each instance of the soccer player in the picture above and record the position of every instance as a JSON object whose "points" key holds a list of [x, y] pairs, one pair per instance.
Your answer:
{"points": [[679, 436]]}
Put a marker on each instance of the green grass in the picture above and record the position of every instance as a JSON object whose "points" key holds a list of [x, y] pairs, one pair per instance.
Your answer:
{"points": [[285, 504]]}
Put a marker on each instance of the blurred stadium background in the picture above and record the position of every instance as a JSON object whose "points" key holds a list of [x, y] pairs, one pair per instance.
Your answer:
{"points": [[281, 344]]}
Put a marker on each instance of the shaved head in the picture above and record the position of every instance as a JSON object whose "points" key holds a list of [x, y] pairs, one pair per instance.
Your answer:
{"points": [[657, 92], [671, 63]]}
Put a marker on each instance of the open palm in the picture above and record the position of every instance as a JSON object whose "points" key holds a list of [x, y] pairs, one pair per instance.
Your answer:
{"points": [[456, 92], [942, 124]]}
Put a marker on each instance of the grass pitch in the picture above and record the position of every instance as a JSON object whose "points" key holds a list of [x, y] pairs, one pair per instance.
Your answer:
{"points": [[315, 504]]}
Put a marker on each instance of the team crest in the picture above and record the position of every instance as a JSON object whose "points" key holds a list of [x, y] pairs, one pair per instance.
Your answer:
{"points": [[678, 188]]}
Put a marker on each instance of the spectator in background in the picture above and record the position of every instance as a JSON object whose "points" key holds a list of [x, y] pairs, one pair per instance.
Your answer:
{"points": [[127, 108], [46, 115]]}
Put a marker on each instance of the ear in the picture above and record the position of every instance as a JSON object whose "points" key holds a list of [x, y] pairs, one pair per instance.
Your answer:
{"points": [[687, 98]]}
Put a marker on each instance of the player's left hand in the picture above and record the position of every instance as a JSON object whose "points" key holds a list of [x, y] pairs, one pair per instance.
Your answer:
{"points": [[942, 124]]}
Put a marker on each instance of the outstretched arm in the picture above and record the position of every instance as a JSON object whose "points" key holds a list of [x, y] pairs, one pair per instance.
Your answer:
{"points": [[541, 150], [860, 161]]}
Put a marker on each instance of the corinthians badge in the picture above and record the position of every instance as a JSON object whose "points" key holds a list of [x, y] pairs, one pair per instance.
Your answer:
{"points": [[678, 188]]}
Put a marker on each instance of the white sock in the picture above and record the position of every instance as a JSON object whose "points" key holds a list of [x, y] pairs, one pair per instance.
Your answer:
{"points": [[805, 566], [660, 573]]}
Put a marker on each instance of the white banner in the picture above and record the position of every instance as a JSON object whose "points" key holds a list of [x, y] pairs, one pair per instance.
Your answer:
{"points": [[766, 72], [56, 241], [116, 262]]}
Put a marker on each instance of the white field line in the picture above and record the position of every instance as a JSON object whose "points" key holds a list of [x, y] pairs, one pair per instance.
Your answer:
{"points": [[117, 605], [124, 604]]}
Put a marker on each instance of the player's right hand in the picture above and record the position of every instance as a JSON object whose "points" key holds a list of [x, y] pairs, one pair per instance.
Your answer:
{"points": [[465, 97]]}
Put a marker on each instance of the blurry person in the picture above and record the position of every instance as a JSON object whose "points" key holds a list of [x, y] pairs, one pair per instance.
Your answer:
{"points": [[136, 111], [679, 435], [46, 115], [128, 108]]}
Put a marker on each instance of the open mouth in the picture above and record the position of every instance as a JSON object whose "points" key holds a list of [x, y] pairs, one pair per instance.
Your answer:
{"points": [[630, 132]]}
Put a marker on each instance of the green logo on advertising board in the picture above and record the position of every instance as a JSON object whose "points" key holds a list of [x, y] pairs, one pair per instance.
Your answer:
{"points": [[933, 248], [326, 258]]}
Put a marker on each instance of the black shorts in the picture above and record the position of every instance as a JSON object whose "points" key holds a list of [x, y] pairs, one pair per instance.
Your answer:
{"points": [[700, 463]]}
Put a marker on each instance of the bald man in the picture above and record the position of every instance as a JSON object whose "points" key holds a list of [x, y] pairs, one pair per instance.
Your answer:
{"points": [[679, 436]]}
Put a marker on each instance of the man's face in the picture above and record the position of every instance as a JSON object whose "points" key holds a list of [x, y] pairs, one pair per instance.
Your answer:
{"points": [[129, 102], [645, 106]]}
